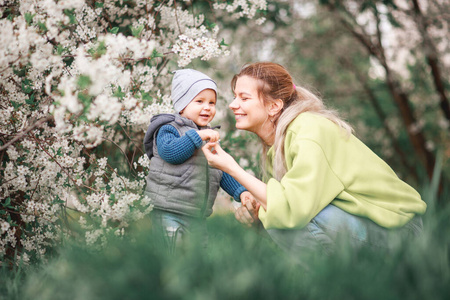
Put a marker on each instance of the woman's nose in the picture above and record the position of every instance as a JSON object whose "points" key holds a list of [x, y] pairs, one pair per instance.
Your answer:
{"points": [[233, 104]]}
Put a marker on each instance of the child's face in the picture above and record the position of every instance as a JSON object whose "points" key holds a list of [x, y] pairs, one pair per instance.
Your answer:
{"points": [[202, 108]]}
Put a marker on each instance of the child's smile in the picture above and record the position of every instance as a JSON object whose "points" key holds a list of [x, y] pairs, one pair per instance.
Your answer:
{"points": [[202, 108]]}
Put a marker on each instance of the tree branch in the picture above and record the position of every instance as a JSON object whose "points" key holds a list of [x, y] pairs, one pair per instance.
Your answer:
{"points": [[399, 96], [431, 55], [381, 115], [20, 135]]}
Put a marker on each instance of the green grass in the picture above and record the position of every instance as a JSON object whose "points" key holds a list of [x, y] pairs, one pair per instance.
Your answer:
{"points": [[239, 263]]}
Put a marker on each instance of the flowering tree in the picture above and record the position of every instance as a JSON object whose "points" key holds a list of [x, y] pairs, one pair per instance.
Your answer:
{"points": [[79, 82]]}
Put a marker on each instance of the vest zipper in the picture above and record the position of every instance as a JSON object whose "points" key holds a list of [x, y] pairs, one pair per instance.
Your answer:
{"points": [[205, 203]]}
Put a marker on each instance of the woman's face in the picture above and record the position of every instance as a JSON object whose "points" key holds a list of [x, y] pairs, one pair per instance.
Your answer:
{"points": [[249, 109]]}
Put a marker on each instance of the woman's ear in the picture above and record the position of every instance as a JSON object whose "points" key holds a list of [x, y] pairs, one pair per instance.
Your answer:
{"points": [[275, 107]]}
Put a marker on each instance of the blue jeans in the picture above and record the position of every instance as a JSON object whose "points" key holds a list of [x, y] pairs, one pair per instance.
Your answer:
{"points": [[175, 228], [333, 225]]}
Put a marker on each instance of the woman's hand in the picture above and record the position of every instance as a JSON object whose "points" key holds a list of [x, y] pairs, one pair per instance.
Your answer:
{"points": [[218, 158], [247, 213], [221, 160]]}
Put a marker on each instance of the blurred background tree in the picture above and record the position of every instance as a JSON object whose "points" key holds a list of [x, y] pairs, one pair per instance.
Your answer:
{"points": [[384, 65]]}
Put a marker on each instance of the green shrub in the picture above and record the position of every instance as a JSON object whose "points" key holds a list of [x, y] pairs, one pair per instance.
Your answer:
{"points": [[239, 263]]}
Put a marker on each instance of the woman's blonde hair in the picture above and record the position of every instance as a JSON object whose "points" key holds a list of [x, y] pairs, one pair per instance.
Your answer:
{"points": [[274, 82]]}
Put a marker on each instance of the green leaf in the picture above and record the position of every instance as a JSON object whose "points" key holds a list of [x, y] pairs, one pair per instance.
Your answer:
{"points": [[85, 99], [7, 202], [99, 51], [84, 82], [118, 93], [42, 26], [30, 100], [60, 49], [84, 118], [71, 14], [147, 97], [29, 18], [20, 72], [136, 31], [16, 105], [26, 88], [99, 4], [114, 30], [222, 43], [156, 54], [210, 25]]}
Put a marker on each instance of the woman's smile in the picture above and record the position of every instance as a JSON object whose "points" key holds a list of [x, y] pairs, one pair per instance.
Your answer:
{"points": [[239, 116]]}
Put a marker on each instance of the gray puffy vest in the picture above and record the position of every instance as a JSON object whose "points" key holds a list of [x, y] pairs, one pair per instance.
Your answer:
{"points": [[189, 188]]}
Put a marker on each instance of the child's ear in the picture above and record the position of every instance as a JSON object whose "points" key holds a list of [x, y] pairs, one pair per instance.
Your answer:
{"points": [[275, 107]]}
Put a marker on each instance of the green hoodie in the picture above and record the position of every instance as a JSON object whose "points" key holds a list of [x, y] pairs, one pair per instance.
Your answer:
{"points": [[325, 166]]}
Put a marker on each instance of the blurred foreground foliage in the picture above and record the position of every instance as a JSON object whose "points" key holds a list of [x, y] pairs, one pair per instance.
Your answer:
{"points": [[239, 263]]}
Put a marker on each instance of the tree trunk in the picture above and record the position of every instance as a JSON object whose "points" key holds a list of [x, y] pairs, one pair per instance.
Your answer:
{"points": [[399, 96], [415, 135], [431, 55]]}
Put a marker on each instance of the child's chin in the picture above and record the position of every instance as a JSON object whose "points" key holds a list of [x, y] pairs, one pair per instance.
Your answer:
{"points": [[202, 124]]}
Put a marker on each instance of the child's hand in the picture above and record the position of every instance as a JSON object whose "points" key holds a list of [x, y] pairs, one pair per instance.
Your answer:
{"points": [[248, 212], [247, 198], [208, 134]]}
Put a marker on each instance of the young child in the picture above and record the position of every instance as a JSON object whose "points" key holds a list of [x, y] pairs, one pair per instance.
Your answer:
{"points": [[180, 183]]}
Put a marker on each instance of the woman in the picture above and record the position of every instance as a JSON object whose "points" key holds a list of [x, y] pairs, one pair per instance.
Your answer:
{"points": [[323, 182]]}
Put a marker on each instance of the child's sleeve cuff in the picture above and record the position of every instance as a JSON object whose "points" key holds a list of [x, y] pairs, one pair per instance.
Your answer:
{"points": [[238, 192], [195, 138]]}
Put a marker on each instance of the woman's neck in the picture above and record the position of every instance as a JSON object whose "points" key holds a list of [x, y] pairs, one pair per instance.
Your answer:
{"points": [[267, 134]]}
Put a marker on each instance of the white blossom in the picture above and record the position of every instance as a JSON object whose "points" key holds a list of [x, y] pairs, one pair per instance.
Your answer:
{"points": [[63, 62], [4, 226]]}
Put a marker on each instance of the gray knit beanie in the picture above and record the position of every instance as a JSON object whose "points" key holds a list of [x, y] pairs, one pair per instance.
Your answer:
{"points": [[188, 83]]}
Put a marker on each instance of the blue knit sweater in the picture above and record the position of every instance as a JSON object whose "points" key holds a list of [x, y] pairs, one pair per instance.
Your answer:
{"points": [[176, 150]]}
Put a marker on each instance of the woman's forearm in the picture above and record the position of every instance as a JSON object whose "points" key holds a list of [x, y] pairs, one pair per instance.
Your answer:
{"points": [[219, 159]]}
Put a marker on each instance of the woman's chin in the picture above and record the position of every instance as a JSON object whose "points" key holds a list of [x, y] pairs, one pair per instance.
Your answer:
{"points": [[240, 126]]}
